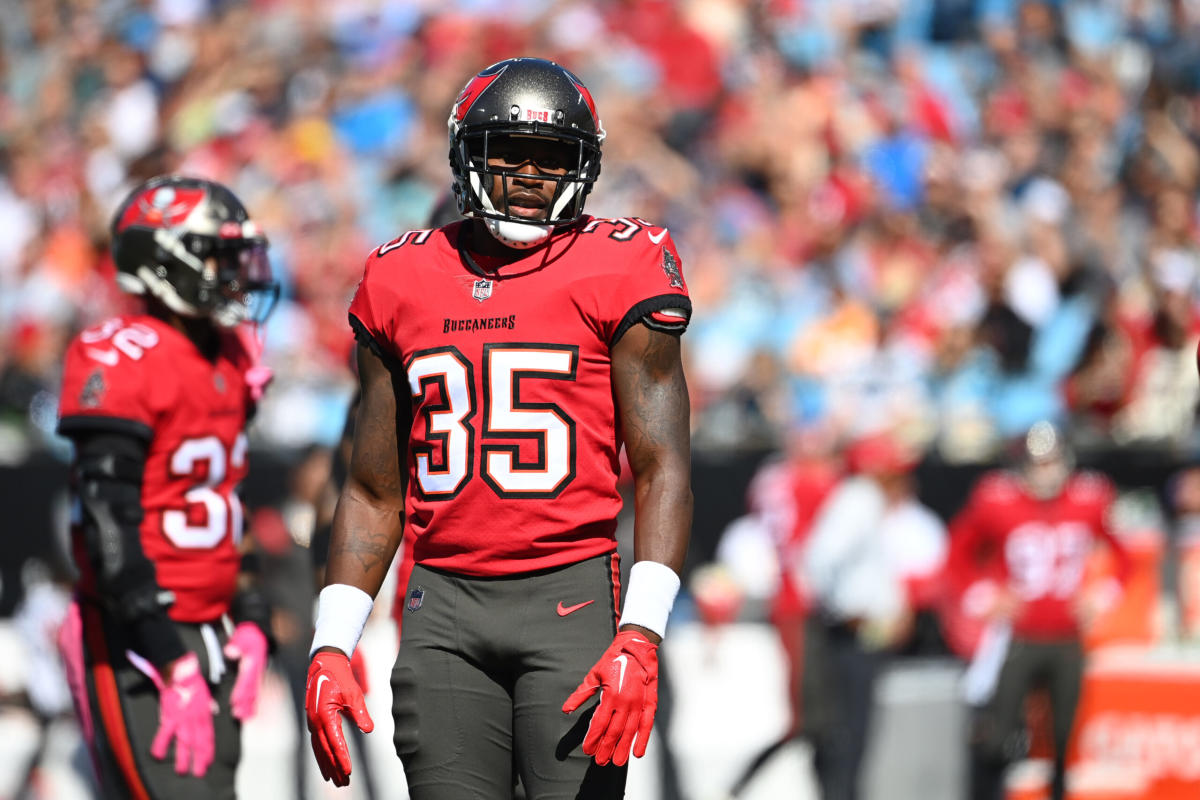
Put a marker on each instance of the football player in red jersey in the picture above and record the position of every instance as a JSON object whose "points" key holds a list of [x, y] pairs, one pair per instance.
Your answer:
{"points": [[163, 651], [1027, 536], [504, 360]]}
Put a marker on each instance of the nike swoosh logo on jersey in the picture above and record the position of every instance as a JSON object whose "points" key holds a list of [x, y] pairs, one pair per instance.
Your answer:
{"points": [[108, 357], [657, 239], [623, 660], [564, 610]]}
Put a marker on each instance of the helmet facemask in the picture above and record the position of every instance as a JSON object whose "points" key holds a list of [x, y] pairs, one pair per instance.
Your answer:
{"points": [[244, 290], [470, 156]]}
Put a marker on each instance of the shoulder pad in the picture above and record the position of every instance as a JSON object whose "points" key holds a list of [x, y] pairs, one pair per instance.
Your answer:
{"points": [[628, 229], [413, 237], [124, 343]]}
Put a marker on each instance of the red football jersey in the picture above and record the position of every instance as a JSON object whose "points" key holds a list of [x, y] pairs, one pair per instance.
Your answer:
{"points": [[513, 453], [139, 375], [1038, 548]]}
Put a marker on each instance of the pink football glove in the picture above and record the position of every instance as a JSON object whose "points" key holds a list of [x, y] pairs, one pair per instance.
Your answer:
{"points": [[332, 691], [70, 649], [627, 678], [248, 646], [185, 714], [258, 374]]}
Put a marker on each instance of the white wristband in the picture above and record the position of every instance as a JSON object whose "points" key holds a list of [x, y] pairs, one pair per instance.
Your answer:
{"points": [[342, 611], [652, 590]]}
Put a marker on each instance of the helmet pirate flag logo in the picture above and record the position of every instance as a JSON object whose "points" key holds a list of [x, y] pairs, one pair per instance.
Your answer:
{"points": [[162, 206], [474, 88]]}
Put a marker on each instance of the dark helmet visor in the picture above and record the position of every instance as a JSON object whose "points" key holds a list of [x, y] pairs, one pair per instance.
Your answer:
{"points": [[247, 289]]}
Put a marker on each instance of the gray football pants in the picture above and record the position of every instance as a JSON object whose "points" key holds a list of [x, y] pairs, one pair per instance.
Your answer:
{"points": [[1000, 737], [484, 667], [122, 707]]}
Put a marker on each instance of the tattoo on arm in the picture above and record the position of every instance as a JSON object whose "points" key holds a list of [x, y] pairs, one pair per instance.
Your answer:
{"points": [[654, 412], [369, 549], [369, 520]]}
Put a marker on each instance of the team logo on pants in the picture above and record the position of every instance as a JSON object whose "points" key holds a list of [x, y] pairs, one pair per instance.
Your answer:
{"points": [[415, 598]]}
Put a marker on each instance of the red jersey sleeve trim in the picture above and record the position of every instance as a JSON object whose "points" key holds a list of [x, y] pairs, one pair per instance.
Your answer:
{"points": [[99, 423], [645, 312]]}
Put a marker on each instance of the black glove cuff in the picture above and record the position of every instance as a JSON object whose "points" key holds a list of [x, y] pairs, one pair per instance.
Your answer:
{"points": [[249, 605], [154, 637]]}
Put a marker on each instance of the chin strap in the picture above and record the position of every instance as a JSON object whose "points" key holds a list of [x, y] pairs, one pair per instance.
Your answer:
{"points": [[518, 235]]}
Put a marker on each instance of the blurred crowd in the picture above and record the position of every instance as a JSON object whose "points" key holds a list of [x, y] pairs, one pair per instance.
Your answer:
{"points": [[945, 217]]}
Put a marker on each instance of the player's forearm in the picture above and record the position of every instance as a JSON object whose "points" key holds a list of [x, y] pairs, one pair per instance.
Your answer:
{"points": [[662, 516], [367, 529], [662, 527]]}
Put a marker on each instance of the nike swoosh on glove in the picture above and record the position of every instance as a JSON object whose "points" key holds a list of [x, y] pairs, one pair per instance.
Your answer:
{"points": [[332, 691], [627, 678], [185, 714], [248, 646]]}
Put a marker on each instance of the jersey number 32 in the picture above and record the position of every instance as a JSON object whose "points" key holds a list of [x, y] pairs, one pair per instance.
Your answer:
{"points": [[220, 512]]}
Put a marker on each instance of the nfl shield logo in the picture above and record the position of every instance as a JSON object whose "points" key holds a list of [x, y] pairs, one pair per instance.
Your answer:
{"points": [[482, 289], [415, 598]]}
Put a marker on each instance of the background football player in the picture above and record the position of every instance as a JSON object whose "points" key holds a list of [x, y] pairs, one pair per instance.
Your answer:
{"points": [[163, 651], [503, 361], [1027, 535]]}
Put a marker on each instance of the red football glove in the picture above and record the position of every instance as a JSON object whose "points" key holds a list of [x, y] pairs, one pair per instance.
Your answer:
{"points": [[358, 668], [627, 678], [185, 714], [248, 645], [332, 690]]}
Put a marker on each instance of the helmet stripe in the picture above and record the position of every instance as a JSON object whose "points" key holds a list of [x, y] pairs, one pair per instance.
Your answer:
{"points": [[474, 88], [587, 98]]}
